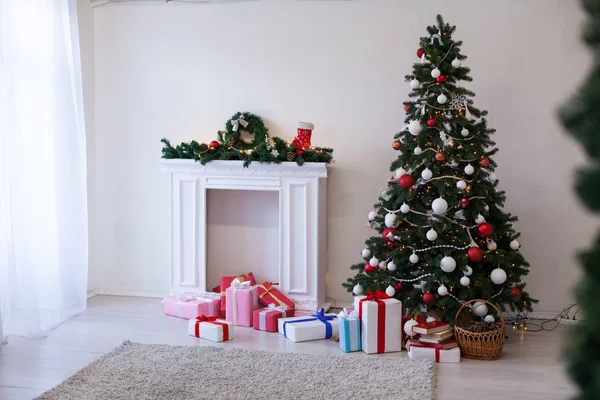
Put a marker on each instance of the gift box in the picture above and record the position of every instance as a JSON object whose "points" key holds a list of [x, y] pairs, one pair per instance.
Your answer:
{"points": [[314, 327], [349, 327], [419, 350], [192, 305], [269, 294], [241, 301], [266, 319], [210, 328], [381, 323], [226, 282]]}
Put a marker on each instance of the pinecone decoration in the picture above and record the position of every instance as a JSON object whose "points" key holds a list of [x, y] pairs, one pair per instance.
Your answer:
{"points": [[243, 156], [291, 156], [203, 147]]}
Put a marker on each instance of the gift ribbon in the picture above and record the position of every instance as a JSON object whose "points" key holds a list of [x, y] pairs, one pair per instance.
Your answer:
{"points": [[438, 37], [437, 351], [236, 285], [237, 122], [346, 320], [239, 278], [181, 299], [210, 302], [267, 291], [212, 320], [319, 316], [262, 316], [377, 297]]}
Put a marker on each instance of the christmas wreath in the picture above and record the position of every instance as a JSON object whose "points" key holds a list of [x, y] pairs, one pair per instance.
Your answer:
{"points": [[233, 144]]}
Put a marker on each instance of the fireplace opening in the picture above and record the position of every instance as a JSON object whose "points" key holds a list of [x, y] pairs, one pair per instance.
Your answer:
{"points": [[242, 233]]}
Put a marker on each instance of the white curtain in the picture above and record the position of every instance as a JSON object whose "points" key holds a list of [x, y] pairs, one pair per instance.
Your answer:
{"points": [[43, 200]]}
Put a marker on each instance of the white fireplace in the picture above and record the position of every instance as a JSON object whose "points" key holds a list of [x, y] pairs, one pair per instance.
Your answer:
{"points": [[302, 194]]}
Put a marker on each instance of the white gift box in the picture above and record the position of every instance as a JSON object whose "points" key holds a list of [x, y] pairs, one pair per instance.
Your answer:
{"points": [[381, 324], [417, 350], [210, 330], [310, 327]]}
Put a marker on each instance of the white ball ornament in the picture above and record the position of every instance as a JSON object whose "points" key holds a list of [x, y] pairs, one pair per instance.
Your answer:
{"points": [[515, 245], [492, 246], [374, 262], [414, 258], [415, 127], [371, 215], [391, 266], [479, 219], [408, 325], [448, 264], [366, 253], [489, 319], [357, 289], [456, 63], [468, 271], [462, 185], [465, 281], [390, 220], [492, 177], [400, 172], [480, 309], [439, 206], [442, 99], [390, 291], [431, 235], [382, 265], [417, 150], [498, 276], [404, 208], [427, 174], [415, 84], [442, 290], [435, 73], [469, 169], [486, 207], [464, 132]]}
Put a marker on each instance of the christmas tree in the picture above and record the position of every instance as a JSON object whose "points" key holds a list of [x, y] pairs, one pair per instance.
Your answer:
{"points": [[582, 119], [443, 237]]}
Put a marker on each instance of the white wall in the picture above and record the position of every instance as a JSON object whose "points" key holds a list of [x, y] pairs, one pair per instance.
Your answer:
{"points": [[181, 71]]}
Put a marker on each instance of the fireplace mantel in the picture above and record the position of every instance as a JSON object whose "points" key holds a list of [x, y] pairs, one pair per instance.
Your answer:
{"points": [[302, 221]]}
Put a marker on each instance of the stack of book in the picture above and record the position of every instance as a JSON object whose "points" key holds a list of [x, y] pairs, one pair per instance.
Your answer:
{"points": [[436, 342], [438, 335]]}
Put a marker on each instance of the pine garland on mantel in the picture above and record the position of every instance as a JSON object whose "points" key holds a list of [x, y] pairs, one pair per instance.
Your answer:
{"points": [[231, 146]]}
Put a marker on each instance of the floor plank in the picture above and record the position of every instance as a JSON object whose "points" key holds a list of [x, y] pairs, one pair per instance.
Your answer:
{"points": [[531, 366]]}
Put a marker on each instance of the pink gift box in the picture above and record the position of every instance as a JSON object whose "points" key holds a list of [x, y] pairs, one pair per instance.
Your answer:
{"points": [[241, 302], [266, 319], [192, 305]]}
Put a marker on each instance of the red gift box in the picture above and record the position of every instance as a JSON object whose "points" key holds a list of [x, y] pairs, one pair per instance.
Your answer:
{"points": [[226, 282], [269, 294], [266, 319]]}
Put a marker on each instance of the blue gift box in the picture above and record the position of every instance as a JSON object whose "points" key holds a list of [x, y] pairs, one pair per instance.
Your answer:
{"points": [[349, 327]]}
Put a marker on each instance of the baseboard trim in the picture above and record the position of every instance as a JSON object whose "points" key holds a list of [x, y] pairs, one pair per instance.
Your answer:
{"points": [[91, 293], [131, 294]]}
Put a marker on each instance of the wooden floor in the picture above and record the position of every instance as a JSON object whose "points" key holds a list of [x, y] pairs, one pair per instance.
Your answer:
{"points": [[530, 368]]}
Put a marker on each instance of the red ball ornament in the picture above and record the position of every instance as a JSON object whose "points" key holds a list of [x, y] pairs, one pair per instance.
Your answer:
{"points": [[406, 107], [441, 79], [516, 294], [440, 157], [397, 145], [475, 254], [390, 245], [214, 144], [399, 286], [485, 229], [420, 52], [299, 152], [369, 268], [428, 298], [431, 122], [387, 231], [464, 202], [406, 181], [484, 162]]}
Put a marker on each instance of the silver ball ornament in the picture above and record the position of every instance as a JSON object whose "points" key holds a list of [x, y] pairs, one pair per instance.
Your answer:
{"points": [[417, 150], [435, 73], [366, 253], [442, 99], [464, 132], [408, 325], [431, 235], [492, 246], [479, 219], [456, 63], [415, 84], [391, 266], [465, 281], [415, 127], [414, 258], [439, 206], [515, 245], [480, 309], [462, 185], [390, 220], [469, 169], [426, 174], [357, 289], [442, 290], [374, 262], [404, 208], [489, 319], [390, 291], [498, 276], [468, 271], [448, 264]]}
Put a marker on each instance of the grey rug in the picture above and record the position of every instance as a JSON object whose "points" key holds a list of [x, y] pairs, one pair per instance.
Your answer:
{"points": [[152, 371]]}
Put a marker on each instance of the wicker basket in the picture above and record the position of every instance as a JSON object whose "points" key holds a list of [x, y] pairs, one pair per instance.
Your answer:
{"points": [[480, 345]]}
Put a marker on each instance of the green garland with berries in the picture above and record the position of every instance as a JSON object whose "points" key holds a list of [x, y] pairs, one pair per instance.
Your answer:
{"points": [[231, 146]]}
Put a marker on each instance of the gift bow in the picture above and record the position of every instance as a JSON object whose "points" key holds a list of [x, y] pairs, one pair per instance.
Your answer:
{"points": [[375, 296], [322, 317], [436, 36], [186, 296], [351, 314], [239, 284], [273, 307], [421, 106], [204, 318], [237, 122]]}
